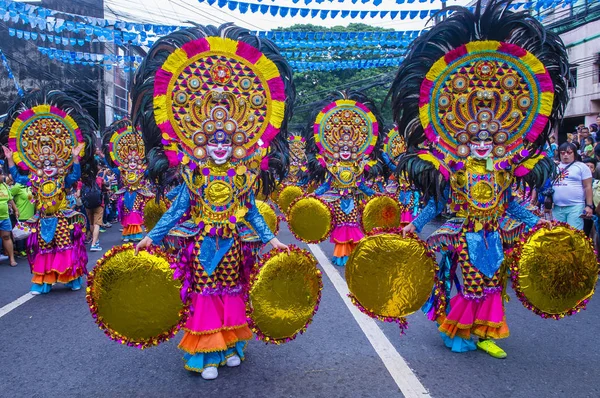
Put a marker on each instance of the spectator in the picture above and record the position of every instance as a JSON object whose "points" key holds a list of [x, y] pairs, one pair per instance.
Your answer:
{"points": [[584, 134], [588, 149], [588, 224], [91, 197], [22, 196], [6, 200], [572, 187], [551, 148]]}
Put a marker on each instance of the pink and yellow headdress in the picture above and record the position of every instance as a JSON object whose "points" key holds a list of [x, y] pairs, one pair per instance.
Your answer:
{"points": [[44, 134], [346, 123], [489, 90], [221, 90]]}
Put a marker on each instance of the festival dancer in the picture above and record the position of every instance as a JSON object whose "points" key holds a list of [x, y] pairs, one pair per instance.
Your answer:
{"points": [[213, 105], [343, 145], [127, 154], [481, 90], [407, 195], [47, 131]]}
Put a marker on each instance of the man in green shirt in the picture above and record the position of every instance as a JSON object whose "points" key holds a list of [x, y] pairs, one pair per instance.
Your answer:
{"points": [[22, 196]]}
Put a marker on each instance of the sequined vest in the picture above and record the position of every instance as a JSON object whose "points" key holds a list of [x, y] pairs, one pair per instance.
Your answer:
{"points": [[49, 193], [478, 194], [219, 196]]}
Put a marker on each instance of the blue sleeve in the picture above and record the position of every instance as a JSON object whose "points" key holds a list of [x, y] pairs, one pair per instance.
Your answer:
{"points": [[172, 194], [388, 162], [520, 213], [17, 177], [258, 223], [116, 171], [180, 205], [363, 187], [323, 188], [73, 176], [430, 211]]}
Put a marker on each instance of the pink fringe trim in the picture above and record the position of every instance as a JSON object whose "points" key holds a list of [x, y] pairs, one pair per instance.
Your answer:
{"points": [[194, 47], [161, 82], [456, 53], [248, 52], [424, 93], [277, 88]]}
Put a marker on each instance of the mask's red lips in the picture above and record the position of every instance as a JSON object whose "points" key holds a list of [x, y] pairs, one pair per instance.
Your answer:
{"points": [[220, 153]]}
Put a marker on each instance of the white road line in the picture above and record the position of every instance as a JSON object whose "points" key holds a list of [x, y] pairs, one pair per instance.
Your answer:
{"points": [[11, 306], [404, 377]]}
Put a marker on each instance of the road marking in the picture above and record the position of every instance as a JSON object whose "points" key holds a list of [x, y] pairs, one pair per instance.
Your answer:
{"points": [[11, 306], [404, 377]]}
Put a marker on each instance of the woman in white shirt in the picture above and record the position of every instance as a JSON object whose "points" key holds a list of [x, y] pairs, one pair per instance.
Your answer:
{"points": [[572, 188]]}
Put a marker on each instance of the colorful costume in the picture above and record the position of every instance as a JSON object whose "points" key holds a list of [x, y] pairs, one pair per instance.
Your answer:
{"points": [[219, 105], [298, 172], [343, 145], [485, 103], [126, 150], [407, 195], [45, 126]]}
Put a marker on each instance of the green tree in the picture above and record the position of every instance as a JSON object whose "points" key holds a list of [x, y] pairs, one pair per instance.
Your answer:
{"points": [[312, 86]]}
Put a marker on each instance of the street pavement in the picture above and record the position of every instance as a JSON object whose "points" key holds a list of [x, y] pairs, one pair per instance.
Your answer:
{"points": [[51, 347]]}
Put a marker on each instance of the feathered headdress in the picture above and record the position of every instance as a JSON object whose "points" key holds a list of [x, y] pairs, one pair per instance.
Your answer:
{"points": [[343, 127], [490, 76], [43, 126], [124, 148], [207, 84]]}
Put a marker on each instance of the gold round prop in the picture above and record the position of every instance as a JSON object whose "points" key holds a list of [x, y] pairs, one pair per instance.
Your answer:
{"points": [[153, 212], [554, 271], [287, 196], [381, 211], [390, 277], [269, 214], [284, 295], [134, 299], [309, 219]]}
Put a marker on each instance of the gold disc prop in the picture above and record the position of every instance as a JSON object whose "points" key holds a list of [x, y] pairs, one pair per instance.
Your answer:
{"points": [[153, 212], [554, 270], [390, 277], [284, 295], [309, 219], [287, 196], [134, 299], [381, 211], [269, 214]]}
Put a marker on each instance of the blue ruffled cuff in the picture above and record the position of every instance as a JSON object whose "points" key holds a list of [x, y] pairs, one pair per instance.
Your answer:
{"points": [[258, 223], [180, 205]]}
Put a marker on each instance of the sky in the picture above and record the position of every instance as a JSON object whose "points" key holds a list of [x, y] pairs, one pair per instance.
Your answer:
{"points": [[175, 12]]}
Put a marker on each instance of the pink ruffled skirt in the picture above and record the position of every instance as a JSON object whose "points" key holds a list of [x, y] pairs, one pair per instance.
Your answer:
{"points": [[484, 317]]}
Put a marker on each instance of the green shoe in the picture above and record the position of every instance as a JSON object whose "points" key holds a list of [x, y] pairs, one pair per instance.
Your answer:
{"points": [[491, 348]]}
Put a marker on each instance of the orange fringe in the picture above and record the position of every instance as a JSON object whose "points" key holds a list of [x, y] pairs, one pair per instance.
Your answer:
{"points": [[343, 249], [53, 277], [132, 229], [219, 341], [482, 329]]}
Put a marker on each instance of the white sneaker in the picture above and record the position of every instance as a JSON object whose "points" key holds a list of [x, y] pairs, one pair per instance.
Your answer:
{"points": [[34, 293], [3, 257], [210, 373], [234, 361]]}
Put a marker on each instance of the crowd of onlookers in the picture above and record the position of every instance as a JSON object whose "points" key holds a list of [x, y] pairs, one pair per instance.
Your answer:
{"points": [[573, 195], [92, 196]]}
